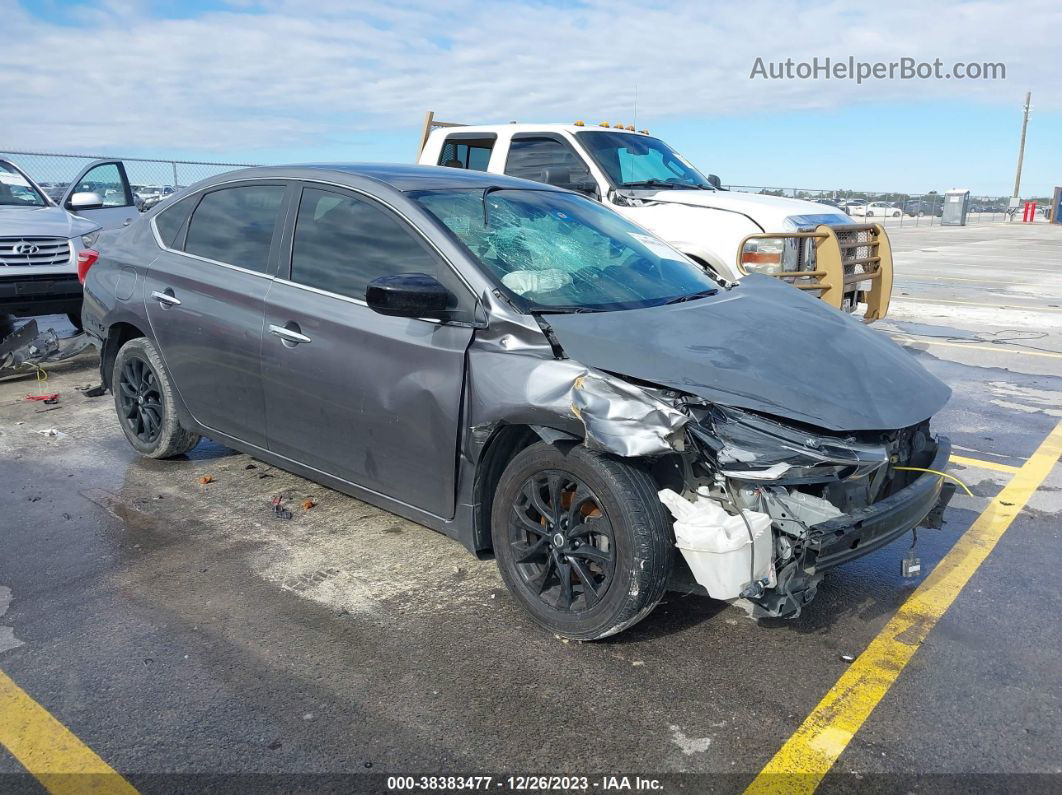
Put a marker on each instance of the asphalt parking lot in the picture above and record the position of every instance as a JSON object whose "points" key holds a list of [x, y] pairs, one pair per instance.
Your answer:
{"points": [[187, 638]]}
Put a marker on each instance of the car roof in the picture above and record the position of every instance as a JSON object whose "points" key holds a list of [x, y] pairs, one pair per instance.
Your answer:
{"points": [[404, 177]]}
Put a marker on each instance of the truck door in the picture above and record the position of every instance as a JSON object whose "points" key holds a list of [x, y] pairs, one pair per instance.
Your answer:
{"points": [[546, 157], [104, 185]]}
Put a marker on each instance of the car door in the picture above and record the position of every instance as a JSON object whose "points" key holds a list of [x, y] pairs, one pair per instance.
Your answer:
{"points": [[371, 399], [205, 300], [107, 179]]}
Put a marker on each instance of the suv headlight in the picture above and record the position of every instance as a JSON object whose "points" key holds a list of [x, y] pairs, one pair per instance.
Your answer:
{"points": [[88, 240]]}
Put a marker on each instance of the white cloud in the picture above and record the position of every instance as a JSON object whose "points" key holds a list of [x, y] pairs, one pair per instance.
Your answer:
{"points": [[278, 73]]}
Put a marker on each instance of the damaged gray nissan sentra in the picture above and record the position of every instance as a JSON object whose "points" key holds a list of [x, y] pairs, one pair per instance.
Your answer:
{"points": [[524, 370]]}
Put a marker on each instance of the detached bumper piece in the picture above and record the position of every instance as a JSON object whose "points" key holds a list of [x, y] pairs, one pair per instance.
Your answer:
{"points": [[26, 348]]}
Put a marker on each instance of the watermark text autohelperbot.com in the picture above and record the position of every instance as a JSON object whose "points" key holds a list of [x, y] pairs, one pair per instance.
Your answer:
{"points": [[851, 69]]}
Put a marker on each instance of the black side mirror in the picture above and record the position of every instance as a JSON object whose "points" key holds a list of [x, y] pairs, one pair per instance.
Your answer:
{"points": [[409, 295], [715, 182], [557, 176]]}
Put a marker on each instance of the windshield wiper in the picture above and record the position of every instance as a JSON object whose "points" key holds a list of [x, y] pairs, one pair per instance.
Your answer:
{"points": [[566, 310], [691, 297], [660, 183]]}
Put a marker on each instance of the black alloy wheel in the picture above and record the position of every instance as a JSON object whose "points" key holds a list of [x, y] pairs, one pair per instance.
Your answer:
{"points": [[562, 542], [140, 400]]}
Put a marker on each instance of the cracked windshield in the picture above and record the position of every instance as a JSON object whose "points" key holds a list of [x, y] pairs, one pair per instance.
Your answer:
{"points": [[563, 252]]}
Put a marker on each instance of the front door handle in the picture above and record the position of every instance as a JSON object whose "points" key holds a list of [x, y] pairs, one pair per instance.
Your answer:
{"points": [[127, 221], [166, 299], [288, 336]]}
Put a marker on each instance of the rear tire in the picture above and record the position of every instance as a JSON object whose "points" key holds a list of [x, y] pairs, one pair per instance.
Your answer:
{"points": [[146, 402], [581, 539]]}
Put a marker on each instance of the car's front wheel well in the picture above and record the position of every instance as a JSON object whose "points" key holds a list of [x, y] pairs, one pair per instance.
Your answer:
{"points": [[500, 449], [117, 335]]}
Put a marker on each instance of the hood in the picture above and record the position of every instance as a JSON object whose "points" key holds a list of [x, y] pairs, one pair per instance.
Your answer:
{"points": [[43, 222], [770, 212], [762, 346]]}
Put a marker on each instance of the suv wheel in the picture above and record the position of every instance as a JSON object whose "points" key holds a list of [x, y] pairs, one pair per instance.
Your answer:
{"points": [[581, 539], [144, 399]]}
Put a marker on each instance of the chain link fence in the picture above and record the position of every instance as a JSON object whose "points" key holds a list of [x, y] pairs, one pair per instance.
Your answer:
{"points": [[900, 209], [151, 180]]}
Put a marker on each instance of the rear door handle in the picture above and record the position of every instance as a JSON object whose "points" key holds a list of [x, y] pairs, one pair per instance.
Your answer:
{"points": [[287, 335], [166, 299]]}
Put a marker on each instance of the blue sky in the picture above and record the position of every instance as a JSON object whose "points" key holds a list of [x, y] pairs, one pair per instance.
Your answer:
{"points": [[281, 80]]}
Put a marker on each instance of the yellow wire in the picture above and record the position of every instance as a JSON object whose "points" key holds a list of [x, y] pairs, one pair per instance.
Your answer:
{"points": [[938, 472]]}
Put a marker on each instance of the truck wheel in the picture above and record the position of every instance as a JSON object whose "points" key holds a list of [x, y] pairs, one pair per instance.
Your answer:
{"points": [[581, 539], [144, 399]]}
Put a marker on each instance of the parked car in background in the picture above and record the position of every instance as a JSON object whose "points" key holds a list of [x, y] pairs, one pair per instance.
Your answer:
{"points": [[521, 368], [917, 208], [43, 243], [830, 203], [882, 210], [854, 206], [150, 195]]}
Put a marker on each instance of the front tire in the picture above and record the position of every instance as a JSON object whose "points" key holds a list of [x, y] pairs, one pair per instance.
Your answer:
{"points": [[146, 402], [581, 539]]}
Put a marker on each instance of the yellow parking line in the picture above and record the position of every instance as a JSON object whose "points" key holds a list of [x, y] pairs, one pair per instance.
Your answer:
{"points": [[801, 764], [977, 303], [979, 464], [47, 749], [995, 348]]}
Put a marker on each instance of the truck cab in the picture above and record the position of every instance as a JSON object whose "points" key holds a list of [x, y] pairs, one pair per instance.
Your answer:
{"points": [[812, 246]]}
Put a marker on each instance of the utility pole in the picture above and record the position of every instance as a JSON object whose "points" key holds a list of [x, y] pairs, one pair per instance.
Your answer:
{"points": [[1021, 149]]}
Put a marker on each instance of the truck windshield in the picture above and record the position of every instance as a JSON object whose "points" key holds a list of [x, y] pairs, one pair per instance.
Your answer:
{"points": [[16, 190], [632, 160], [563, 252]]}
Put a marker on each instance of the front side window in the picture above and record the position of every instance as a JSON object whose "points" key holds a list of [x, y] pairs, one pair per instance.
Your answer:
{"points": [[639, 161], [16, 190], [546, 160], [565, 252], [235, 225], [342, 243], [470, 153], [106, 181]]}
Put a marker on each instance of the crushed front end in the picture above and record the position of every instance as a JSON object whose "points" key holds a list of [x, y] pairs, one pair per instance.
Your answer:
{"points": [[831, 497]]}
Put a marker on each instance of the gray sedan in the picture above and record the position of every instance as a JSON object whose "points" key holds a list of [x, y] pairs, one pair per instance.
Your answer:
{"points": [[522, 369]]}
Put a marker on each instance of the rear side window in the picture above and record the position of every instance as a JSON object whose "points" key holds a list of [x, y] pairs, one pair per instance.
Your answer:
{"points": [[545, 160], [169, 221], [235, 225], [473, 154], [342, 243]]}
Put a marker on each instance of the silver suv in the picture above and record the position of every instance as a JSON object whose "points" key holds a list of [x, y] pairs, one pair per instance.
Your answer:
{"points": [[41, 242]]}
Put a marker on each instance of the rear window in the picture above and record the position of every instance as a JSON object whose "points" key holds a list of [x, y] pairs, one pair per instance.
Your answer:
{"points": [[169, 221], [235, 225], [470, 153]]}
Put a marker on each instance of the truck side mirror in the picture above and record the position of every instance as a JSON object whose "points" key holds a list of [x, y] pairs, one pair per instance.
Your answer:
{"points": [[559, 177], [715, 182]]}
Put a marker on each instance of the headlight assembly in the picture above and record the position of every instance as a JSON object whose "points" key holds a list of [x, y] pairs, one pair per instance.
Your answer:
{"points": [[90, 239], [762, 255]]}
